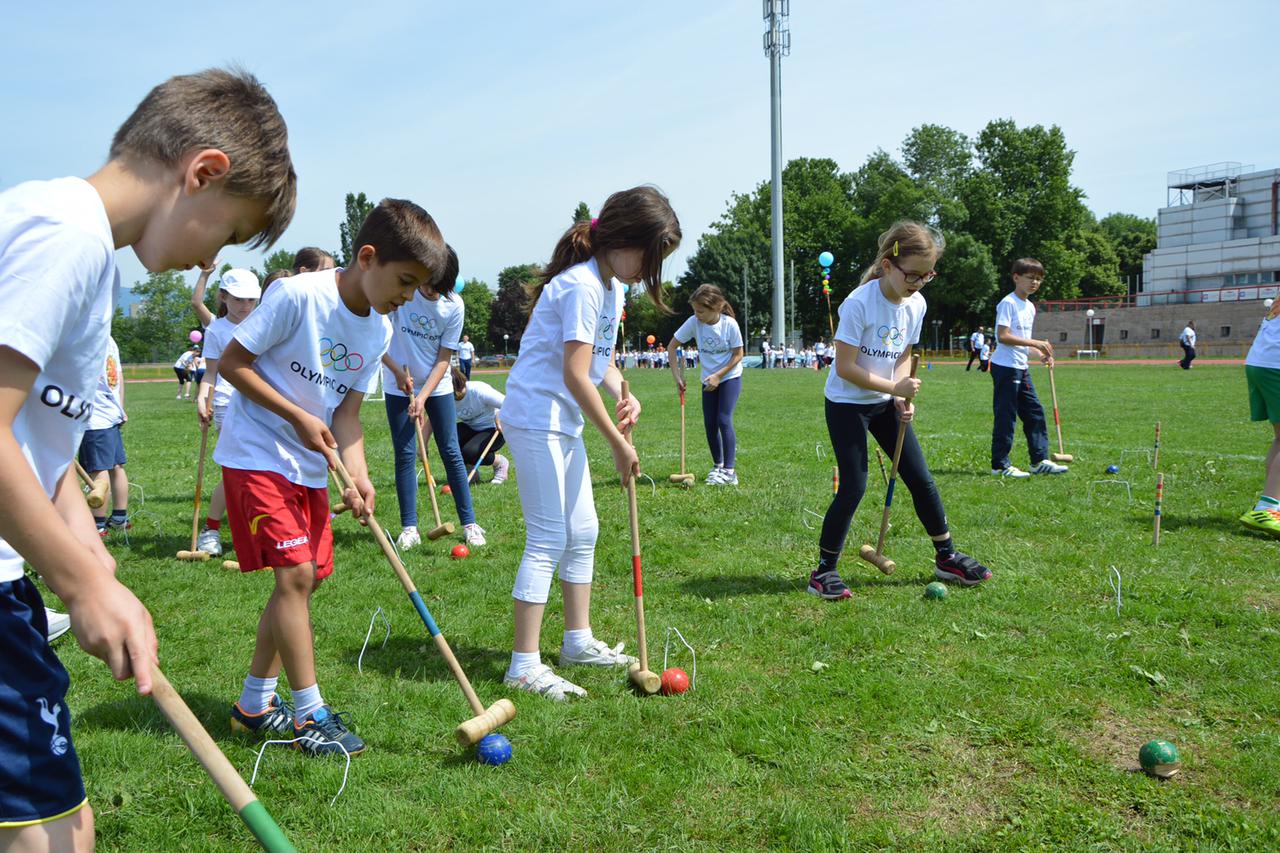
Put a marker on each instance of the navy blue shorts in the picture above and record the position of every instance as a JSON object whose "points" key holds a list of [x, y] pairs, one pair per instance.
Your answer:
{"points": [[102, 449], [39, 772]]}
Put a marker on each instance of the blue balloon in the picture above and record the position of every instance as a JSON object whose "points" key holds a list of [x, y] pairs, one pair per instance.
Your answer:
{"points": [[493, 749], [461, 284], [826, 259], [626, 288]]}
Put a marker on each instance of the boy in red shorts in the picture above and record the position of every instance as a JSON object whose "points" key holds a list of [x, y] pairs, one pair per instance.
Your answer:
{"points": [[302, 363]]}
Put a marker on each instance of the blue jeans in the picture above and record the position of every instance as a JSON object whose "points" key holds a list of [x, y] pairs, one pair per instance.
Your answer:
{"points": [[1015, 397], [717, 419], [464, 364], [404, 440]]}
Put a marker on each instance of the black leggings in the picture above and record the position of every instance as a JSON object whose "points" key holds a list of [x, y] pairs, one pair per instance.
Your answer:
{"points": [[472, 441], [848, 425]]}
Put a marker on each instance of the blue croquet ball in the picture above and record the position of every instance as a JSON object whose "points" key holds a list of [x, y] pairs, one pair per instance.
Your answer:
{"points": [[826, 259], [1113, 469], [494, 749]]}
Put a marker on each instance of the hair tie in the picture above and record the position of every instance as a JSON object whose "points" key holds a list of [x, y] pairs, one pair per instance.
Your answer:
{"points": [[895, 248], [595, 220]]}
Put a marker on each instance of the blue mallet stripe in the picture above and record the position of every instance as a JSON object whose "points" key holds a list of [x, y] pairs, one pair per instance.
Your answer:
{"points": [[421, 607], [888, 495]]}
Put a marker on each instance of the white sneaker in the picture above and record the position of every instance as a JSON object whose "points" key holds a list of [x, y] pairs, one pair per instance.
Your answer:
{"points": [[210, 541], [408, 538], [59, 623], [474, 534], [714, 477], [501, 465], [1044, 466], [1010, 472], [596, 653], [726, 478], [544, 682]]}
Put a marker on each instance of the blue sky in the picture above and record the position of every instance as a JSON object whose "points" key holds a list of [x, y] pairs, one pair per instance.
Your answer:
{"points": [[500, 117]]}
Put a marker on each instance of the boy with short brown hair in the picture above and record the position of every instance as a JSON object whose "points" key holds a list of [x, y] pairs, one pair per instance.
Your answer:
{"points": [[183, 179]]}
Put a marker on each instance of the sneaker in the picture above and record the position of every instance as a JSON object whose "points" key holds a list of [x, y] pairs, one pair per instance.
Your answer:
{"points": [[961, 568], [325, 732], [828, 585], [1044, 466], [598, 654], [725, 478], [408, 538], [544, 682], [115, 524], [1011, 472], [474, 534], [210, 541], [59, 624], [179, 397], [1263, 520], [276, 719], [501, 465], [713, 478]]}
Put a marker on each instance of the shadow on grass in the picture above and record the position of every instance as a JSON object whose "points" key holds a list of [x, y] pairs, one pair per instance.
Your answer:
{"points": [[876, 578], [1212, 522], [414, 655], [728, 586], [140, 714]]}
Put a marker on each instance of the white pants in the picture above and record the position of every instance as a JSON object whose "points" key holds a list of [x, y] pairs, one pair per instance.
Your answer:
{"points": [[559, 511]]}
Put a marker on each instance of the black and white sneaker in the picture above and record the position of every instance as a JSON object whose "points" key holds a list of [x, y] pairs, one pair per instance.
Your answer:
{"points": [[961, 568], [828, 585]]}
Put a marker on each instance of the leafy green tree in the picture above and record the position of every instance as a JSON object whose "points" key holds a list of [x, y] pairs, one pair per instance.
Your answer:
{"points": [[162, 324], [1131, 237], [280, 259], [358, 208], [478, 300], [510, 308], [582, 213], [967, 288], [1101, 266]]}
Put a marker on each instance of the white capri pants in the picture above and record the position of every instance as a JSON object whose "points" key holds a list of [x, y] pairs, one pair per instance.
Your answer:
{"points": [[559, 511]]}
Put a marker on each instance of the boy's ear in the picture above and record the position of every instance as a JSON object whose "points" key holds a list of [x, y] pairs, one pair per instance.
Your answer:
{"points": [[366, 256], [205, 167]]}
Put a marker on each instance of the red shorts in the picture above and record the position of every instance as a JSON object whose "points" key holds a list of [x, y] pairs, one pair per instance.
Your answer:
{"points": [[276, 523]]}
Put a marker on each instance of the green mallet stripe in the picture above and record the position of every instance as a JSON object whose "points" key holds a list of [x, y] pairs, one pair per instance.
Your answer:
{"points": [[264, 828]]}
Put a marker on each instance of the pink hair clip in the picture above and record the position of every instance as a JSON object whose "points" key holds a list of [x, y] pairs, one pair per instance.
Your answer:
{"points": [[595, 220]]}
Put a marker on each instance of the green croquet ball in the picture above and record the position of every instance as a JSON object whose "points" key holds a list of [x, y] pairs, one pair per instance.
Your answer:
{"points": [[1159, 758], [935, 590]]}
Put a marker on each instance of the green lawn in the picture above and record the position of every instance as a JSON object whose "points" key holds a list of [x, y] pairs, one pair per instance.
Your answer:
{"points": [[1007, 716]]}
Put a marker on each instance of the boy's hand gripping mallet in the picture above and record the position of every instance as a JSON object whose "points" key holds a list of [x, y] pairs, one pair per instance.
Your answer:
{"points": [[1061, 455], [645, 679], [485, 720], [194, 554], [97, 488], [876, 556], [220, 770], [683, 476], [475, 469], [440, 529]]}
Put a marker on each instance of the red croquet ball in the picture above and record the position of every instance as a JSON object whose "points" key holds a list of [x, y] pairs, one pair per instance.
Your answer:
{"points": [[445, 490], [460, 552], [674, 680]]}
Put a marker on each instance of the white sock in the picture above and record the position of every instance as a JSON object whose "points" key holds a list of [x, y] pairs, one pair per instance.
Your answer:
{"points": [[728, 471], [306, 700], [408, 528], [256, 695], [522, 662], [576, 640], [1265, 503]]}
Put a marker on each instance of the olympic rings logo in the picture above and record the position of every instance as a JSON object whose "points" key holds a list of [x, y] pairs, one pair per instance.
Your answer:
{"points": [[423, 322], [891, 335], [337, 356], [606, 329]]}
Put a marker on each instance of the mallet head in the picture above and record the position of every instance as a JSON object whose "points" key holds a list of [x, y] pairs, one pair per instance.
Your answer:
{"points": [[443, 530], [645, 680], [1062, 457], [193, 556], [231, 565], [497, 715], [880, 561]]}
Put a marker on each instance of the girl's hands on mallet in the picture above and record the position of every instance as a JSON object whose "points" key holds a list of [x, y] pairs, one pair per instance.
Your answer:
{"points": [[627, 411], [417, 403], [204, 411], [906, 387], [905, 408], [625, 460], [711, 383], [404, 381]]}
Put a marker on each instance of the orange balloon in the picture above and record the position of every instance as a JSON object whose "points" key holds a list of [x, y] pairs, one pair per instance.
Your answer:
{"points": [[651, 339]]}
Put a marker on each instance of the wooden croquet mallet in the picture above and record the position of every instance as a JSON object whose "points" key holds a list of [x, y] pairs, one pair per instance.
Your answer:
{"points": [[683, 477], [475, 469], [97, 488], [645, 680], [876, 556], [220, 770], [1155, 538], [1061, 455], [485, 720], [440, 529], [194, 554], [1155, 460]]}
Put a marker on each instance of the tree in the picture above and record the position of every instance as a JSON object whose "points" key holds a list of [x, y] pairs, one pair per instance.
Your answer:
{"points": [[477, 300], [358, 209], [280, 259], [510, 309], [582, 213], [1131, 237], [645, 318], [1101, 266], [968, 285], [163, 322]]}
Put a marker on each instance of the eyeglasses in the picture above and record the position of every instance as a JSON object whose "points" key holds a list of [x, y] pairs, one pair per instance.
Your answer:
{"points": [[914, 278]]}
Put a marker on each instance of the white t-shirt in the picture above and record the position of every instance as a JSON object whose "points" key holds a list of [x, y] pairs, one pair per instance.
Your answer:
{"points": [[985, 354], [57, 283], [1265, 351], [466, 351], [186, 361], [478, 406], [1188, 336], [216, 338], [574, 306], [1019, 315], [314, 351], [881, 331], [108, 408], [422, 326], [820, 349], [976, 340], [716, 340]]}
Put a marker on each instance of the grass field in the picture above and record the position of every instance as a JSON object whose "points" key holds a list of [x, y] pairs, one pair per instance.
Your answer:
{"points": [[1003, 717]]}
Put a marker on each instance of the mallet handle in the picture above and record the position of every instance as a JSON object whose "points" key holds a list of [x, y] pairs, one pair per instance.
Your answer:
{"points": [[476, 468], [195, 516], [1057, 422], [682, 461], [893, 470], [426, 466], [220, 770], [1155, 539], [1155, 461], [82, 474], [637, 576]]}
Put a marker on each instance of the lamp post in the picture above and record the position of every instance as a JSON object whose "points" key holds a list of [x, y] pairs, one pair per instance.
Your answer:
{"points": [[504, 347], [1088, 328], [937, 324]]}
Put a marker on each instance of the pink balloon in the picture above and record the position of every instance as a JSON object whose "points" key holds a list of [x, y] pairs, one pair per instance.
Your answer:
{"points": [[195, 336]]}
